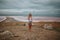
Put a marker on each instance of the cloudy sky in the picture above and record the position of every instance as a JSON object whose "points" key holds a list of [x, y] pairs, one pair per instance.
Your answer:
{"points": [[37, 7]]}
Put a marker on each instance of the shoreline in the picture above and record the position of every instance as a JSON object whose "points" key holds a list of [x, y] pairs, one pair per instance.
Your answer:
{"points": [[35, 19]]}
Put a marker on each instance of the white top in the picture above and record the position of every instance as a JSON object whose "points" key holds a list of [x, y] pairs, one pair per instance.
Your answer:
{"points": [[30, 20]]}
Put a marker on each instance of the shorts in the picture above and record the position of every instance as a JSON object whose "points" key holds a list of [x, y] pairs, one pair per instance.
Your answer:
{"points": [[30, 23]]}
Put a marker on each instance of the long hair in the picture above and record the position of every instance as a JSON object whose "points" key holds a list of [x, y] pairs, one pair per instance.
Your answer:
{"points": [[30, 15]]}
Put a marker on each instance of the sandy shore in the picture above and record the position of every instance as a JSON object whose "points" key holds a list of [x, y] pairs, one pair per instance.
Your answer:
{"points": [[37, 33]]}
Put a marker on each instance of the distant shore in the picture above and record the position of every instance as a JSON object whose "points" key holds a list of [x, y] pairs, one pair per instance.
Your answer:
{"points": [[35, 19]]}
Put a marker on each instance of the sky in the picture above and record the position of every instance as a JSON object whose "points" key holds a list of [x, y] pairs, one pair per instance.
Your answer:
{"points": [[37, 7]]}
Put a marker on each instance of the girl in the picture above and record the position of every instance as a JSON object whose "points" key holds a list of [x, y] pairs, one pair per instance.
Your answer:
{"points": [[30, 21]]}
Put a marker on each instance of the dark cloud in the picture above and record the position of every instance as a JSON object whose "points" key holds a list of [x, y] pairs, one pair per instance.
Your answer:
{"points": [[49, 7], [55, 4], [13, 4]]}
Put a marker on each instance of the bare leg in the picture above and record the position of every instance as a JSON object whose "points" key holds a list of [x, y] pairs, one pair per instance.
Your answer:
{"points": [[30, 27]]}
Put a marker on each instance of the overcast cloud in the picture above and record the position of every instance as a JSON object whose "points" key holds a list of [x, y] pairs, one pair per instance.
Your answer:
{"points": [[40, 6]]}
